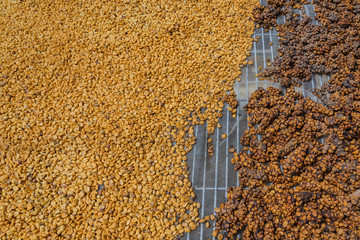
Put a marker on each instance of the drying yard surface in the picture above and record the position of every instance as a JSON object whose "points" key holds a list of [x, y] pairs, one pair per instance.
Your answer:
{"points": [[97, 105]]}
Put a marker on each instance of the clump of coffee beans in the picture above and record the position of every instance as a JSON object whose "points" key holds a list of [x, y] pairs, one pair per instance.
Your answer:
{"points": [[306, 48], [293, 185], [299, 170]]}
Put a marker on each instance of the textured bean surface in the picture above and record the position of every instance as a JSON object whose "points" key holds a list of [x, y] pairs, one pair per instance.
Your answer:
{"points": [[97, 104], [292, 184]]}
